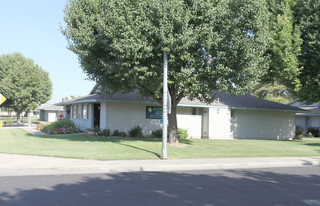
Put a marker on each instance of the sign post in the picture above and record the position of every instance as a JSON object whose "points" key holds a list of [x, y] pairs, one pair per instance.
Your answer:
{"points": [[2, 99]]}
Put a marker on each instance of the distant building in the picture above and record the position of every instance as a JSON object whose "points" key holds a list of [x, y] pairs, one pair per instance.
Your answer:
{"points": [[309, 119], [50, 113]]}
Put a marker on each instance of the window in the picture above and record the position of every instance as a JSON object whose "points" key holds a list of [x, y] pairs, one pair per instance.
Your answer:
{"points": [[85, 111], [75, 112], [315, 122]]}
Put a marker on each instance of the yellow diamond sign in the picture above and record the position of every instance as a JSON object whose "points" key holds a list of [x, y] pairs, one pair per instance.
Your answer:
{"points": [[2, 99]]}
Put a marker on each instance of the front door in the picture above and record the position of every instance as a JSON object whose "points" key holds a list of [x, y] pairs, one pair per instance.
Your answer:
{"points": [[96, 115]]}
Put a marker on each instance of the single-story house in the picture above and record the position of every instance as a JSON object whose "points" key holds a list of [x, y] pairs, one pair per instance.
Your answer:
{"points": [[309, 119], [50, 113], [228, 117]]}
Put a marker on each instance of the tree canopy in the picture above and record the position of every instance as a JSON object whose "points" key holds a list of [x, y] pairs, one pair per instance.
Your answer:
{"points": [[307, 17], [281, 83], [211, 45], [23, 83]]}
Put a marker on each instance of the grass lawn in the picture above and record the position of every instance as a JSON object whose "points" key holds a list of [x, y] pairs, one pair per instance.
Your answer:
{"points": [[23, 120], [18, 141]]}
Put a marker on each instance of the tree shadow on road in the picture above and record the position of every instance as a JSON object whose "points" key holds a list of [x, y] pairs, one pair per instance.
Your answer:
{"points": [[234, 187]]}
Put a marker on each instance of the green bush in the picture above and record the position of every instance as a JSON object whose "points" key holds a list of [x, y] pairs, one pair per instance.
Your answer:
{"points": [[182, 133], [122, 134], [105, 132], [313, 131], [299, 131], [136, 132], [62, 126], [119, 134], [298, 137], [7, 122], [157, 133], [97, 132]]}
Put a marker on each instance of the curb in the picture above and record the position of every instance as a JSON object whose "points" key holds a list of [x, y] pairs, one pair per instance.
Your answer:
{"points": [[20, 165]]}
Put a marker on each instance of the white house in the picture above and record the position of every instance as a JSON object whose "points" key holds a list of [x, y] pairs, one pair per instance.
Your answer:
{"points": [[228, 117], [50, 113], [309, 119]]}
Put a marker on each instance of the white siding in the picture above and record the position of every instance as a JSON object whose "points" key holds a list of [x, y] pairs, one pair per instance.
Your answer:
{"points": [[192, 123], [103, 115], [219, 123], [184, 110], [123, 117], [263, 125], [301, 121], [315, 122]]}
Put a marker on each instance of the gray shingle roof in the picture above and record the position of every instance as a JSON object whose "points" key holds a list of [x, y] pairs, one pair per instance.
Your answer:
{"points": [[51, 108], [221, 99], [312, 111]]}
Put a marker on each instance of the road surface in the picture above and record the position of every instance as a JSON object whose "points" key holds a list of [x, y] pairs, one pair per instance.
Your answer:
{"points": [[258, 187]]}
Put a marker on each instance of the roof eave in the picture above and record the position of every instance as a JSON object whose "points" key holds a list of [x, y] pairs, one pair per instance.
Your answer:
{"points": [[268, 109]]}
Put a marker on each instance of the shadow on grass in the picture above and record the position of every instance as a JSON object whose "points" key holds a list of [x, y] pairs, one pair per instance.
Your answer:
{"points": [[313, 144], [233, 187], [115, 140]]}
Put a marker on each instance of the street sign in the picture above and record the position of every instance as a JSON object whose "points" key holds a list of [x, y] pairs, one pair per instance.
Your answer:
{"points": [[2, 99]]}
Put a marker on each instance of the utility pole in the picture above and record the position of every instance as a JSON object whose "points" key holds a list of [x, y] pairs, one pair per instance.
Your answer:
{"points": [[165, 105]]}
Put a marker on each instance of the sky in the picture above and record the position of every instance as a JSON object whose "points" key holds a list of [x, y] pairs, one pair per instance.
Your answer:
{"points": [[32, 29]]}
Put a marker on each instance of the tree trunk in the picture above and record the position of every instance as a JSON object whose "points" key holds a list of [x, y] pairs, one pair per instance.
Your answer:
{"points": [[173, 126], [29, 119], [18, 116]]}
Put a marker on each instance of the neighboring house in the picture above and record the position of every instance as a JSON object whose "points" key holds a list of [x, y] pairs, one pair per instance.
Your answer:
{"points": [[50, 113], [228, 117], [309, 119]]}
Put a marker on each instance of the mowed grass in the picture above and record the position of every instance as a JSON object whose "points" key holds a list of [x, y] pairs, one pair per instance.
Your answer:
{"points": [[18, 141]]}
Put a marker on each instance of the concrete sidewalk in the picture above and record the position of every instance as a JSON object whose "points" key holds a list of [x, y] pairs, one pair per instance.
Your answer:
{"points": [[18, 165]]}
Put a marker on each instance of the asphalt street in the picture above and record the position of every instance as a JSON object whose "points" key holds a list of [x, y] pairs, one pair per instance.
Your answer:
{"points": [[267, 186]]}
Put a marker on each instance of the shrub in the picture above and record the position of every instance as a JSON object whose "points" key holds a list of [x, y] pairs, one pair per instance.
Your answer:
{"points": [[97, 132], [136, 132], [106, 132], [122, 134], [182, 133], [157, 133], [299, 131], [7, 122], [298, 137], [116, 133], [61, 126], [313, 131], [62, 123]]}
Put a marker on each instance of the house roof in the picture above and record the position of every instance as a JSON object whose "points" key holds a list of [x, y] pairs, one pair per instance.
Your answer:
{"points": [[51, 108], [243, 102], [313, 110]]}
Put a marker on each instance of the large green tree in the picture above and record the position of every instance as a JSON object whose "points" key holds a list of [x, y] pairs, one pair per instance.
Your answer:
{"points": [[211, 45], [307, 17], [281, 83], [23, 83]]}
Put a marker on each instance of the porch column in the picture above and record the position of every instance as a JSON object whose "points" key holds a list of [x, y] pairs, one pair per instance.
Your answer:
{"points": [[103, 115]]}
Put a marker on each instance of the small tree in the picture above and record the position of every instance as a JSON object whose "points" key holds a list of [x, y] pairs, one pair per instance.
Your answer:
{"points": [[23, 83]]}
